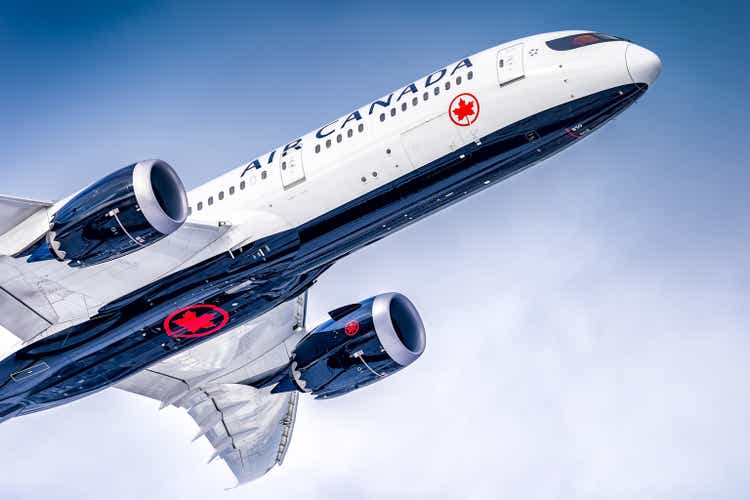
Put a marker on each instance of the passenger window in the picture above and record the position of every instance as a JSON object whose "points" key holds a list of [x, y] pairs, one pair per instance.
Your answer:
{"points": [[221, 195], [414, 101], [437, 90], [242, 185], [349, 133], [360, 127], [338, 138], [317, 148], [425, 96], [200, 205], [393, 111], [470, 75], [210, 200], [263, 174], [447, 85], [403, 107], [283, 167], [382, 117], [328, 143], [458, 80], [231, 190]]}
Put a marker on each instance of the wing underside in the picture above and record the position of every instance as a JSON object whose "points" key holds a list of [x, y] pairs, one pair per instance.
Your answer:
{"points": [[14, 210], [37, 296], [249, 428]]}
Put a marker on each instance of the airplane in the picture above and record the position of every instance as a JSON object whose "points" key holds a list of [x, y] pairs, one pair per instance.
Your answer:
{"points": [[198, 299]]}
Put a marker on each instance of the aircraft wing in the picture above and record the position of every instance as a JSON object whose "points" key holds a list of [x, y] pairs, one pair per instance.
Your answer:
{"points": [[25, 310], [36, 296], [249, 428], [16, 210]]}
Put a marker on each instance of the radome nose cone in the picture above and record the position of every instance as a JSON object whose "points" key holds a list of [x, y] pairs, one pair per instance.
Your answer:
{"points": [[643, 65]]}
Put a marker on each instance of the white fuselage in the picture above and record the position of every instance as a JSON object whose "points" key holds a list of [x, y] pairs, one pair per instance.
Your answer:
{"points": [[352, 156], [359, 153]]}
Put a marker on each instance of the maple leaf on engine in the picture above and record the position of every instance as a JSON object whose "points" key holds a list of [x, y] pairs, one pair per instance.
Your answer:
{"points": [[464, 109], [194, 323]]}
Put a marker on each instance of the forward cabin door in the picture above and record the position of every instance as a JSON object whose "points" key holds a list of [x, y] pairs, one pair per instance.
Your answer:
{"points": [[510, 64], [292, 172]]}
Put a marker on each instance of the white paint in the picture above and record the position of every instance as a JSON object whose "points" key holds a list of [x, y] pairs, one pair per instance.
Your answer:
{"points": [[8, 343]]}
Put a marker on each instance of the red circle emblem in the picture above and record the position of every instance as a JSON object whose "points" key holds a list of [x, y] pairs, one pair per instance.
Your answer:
{"points": [[195, 321], [464, 109], [352, 328]]}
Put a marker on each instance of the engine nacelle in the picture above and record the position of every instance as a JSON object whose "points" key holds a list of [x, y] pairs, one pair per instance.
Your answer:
{"points": [[129, 209], [361, 344]]}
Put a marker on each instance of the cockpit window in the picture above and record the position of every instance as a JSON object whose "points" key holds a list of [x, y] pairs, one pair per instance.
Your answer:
{"points": [[581, 40]]}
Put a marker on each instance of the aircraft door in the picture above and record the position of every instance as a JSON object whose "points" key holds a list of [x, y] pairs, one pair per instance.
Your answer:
{"points": [[510, 64], [292, 172]]}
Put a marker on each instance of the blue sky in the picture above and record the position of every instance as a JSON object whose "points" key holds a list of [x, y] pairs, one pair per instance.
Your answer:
{"points": [[587, 320]]}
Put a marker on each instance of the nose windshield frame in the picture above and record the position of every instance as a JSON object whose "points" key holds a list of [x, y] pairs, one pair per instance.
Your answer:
{"points": [[579, 40]]}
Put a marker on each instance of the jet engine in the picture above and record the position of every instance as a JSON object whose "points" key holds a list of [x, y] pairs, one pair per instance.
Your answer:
{"points": [[361, 344], [127, 210]]}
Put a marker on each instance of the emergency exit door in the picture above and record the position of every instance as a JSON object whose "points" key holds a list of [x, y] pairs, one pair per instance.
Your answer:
{"points": [[292, 172], [510, 64]]}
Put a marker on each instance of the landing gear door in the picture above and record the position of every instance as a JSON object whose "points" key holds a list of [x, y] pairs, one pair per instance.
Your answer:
{"points": [[510, 64], [292, 172]]}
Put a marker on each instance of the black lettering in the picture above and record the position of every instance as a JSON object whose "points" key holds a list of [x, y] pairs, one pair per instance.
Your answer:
{"points": [[295, 144], [385, 104], [466, 63], [409, 89]]}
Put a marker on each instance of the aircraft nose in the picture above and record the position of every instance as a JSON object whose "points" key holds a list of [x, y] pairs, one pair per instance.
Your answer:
{"points": [[643, 65]]}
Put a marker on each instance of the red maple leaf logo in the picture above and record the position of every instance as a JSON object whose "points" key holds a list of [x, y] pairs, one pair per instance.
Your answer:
{"points": [[464, 109], [194, 323], [351, 328]]}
